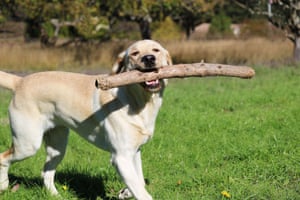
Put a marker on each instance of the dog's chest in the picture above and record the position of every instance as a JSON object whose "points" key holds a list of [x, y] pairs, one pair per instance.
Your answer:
{"points": [[119, 123], [146, 119]]}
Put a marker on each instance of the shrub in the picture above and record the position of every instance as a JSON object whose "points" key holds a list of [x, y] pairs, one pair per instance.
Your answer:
{"points": [[2, 19], [167, 30], [220, 26]]}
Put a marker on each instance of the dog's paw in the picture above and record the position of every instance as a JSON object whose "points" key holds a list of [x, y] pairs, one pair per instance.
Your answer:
{"points": [[125, 194], [4, 185]]}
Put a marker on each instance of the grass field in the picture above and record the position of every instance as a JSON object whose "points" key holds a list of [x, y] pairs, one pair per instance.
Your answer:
{"points": [[213, 135]]}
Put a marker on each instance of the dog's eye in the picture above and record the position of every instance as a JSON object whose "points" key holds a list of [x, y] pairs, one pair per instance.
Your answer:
{"points": [[156, 50], [135, 53]]}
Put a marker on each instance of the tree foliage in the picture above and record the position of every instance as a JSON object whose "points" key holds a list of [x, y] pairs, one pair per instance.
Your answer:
{"points": [[137, 11], [83, 16], [220, 25], [189, 13], [87, 18]]}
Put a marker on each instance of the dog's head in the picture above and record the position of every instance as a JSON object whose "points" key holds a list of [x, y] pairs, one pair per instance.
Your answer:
{"points": [[144, 55]]}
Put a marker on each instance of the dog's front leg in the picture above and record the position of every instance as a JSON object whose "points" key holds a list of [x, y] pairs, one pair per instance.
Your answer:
{"points": [[138, 166], [125, 165]]}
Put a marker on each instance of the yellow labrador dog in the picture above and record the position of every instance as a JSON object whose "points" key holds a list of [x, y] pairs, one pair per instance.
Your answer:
{"points": [[46, 105]]}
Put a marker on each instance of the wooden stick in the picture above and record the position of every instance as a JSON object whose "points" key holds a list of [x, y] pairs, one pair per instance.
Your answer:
{"points": [[175, 71]]}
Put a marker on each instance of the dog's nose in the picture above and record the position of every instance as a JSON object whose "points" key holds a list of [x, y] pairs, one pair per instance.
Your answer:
{"points": [[148, 60]]}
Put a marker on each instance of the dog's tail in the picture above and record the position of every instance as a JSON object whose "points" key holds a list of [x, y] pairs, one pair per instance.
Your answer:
{"points": [[9, 81]]}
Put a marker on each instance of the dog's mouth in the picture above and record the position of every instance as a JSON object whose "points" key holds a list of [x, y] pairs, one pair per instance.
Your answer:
{"points": [[153, 85]]}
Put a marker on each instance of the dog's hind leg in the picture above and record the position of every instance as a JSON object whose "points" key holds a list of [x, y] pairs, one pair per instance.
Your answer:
{"points": [[26, 140], [56, 141], [4, 166]]}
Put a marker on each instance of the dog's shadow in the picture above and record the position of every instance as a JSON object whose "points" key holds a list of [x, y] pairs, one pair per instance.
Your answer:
{"points": [[84, 186]]}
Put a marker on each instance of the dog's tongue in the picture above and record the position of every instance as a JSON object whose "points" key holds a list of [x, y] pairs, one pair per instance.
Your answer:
{"points": [[152, 83]]}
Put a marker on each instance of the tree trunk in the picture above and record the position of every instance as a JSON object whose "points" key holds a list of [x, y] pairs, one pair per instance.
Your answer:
{"points": [[187, 32], [32, 31], [297, 49], [144, 25]]}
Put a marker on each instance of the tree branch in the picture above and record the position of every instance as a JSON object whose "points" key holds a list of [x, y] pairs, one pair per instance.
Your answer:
{"points": [[244, 7], [58, 25], [175, 71]]}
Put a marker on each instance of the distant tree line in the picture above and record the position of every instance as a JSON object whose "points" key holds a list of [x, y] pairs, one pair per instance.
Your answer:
{"points": [[94, 19]]}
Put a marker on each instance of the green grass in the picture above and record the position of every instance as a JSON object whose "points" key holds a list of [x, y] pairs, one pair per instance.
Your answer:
{"points": [[212, 135]]}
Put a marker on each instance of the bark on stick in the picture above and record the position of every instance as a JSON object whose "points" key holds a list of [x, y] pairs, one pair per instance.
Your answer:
{"points": [[174, 71]]}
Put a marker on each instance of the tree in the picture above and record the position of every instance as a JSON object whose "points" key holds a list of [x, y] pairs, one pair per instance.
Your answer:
{"points": [[143, 12], [46, 18], [189, 13], [26, 11], [220, 26], [284, 14]]}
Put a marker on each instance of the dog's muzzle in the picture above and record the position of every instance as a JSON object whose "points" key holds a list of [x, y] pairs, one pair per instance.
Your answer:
{"points": [[149, 65]]}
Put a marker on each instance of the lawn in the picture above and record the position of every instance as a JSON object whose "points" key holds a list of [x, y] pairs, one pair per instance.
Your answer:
{"points": [[213, 135]]}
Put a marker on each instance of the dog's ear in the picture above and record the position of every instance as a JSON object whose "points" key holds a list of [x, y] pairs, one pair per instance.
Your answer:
{"points": [[119, 65], [169, 59]]}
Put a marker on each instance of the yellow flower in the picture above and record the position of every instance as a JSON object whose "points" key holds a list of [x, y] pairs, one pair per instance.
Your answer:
{"points": [[65, 188], [225, 194], [179, 182]]}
